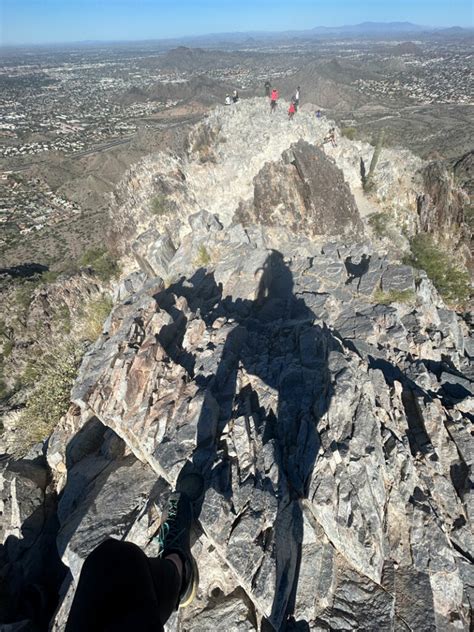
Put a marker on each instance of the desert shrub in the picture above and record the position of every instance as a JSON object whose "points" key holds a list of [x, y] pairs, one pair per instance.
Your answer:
{"points": [[203, 257], [469, 216], [368, 183], [3, 389], [393, 296], [158, 205], [449, 278], [62, 318], [49, 276], [50, 398], [7, 348], [50, 376], [95, 314], [70, 268], [104, 265], [3, 386], [203, 142], [24, 295], [379, 224], [349, 132]]}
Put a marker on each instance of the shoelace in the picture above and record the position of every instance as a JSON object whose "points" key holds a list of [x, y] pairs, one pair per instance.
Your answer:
{"points": [[166, 530]]}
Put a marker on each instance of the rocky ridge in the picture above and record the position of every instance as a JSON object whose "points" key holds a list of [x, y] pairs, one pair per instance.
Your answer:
{"points": [[331, 422], [229, 149]]}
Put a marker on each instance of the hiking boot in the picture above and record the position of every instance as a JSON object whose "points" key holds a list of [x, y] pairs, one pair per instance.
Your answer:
{"points": [[174, 537]]}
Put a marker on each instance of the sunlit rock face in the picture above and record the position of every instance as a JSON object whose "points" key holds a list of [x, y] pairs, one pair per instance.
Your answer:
{"points": [[322, 388]]}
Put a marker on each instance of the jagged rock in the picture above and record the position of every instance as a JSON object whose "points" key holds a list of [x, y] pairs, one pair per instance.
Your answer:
{"points": [[319, 437], [305, 193], [440, 208], [398, 279], [130, 285], [336, 456], [30, 568], [231, 147], [153, 253]]}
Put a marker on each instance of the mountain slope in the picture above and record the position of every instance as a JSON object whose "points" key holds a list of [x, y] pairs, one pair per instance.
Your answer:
{"points": [[322, 388]]}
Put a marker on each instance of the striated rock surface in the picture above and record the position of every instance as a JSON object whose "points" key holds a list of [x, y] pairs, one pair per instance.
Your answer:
{"points": [[260, 343], [231, 152], [29, 561], [334, 447], [442, 206], [304, 193]]}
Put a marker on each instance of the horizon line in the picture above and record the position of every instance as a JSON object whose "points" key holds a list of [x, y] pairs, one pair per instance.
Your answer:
{"points": [[178, 38]]}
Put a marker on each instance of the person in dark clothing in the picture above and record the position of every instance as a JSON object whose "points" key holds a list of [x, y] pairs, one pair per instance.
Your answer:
{"points": [[121, 589], [296, 99], [235, 96], [268, 87]]}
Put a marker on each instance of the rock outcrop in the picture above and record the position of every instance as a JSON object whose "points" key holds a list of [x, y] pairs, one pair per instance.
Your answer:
{"points": [[332, 432], [322, 388], [441, 207], [30, 565], [304, 193], [230, 156]]}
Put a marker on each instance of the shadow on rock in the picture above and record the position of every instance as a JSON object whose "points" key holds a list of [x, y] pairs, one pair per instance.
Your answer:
{"points": [[257, 439], [31, 571]]}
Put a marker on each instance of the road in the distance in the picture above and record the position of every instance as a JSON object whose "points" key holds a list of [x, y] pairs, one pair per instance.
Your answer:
{"points": [[109, 145]]}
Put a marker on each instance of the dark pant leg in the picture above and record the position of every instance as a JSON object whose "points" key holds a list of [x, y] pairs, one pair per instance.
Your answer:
{"points": [[121, 589]]}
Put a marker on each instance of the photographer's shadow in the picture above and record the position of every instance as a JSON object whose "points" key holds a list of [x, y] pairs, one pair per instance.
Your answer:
{"points": [[276, 340]]}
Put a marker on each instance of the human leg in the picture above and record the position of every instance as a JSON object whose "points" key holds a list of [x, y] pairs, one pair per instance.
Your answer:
{"points": [[121, 589]]}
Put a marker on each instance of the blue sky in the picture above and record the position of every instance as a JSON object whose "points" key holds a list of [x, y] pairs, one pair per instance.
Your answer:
{"points": [[39, 21]]}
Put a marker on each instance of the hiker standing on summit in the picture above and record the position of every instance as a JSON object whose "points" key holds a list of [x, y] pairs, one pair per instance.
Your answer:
{"points": [[273, 100], [291, 110], [296, 99]]}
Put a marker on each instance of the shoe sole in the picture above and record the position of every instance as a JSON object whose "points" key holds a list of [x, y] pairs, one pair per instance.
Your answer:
{"points": [[188, 599]]}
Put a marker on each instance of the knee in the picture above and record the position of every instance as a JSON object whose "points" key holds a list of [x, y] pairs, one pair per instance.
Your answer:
{"points": [[107, 550]]}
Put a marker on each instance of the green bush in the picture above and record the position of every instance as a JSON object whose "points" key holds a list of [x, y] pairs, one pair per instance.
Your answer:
{"points": [[379, 224], [49, 400], [449, 278], [349, 132], [3, 387], [158, 205], [62, 318], [394, 296], [469, 217], [203, 257], [7, 348], [3, 390], [104, 265], [24, 295], [49, 276], [368, 183], [95, 314]]}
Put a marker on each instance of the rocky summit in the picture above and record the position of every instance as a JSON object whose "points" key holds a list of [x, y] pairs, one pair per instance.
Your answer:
{"points": [[264, 337]]}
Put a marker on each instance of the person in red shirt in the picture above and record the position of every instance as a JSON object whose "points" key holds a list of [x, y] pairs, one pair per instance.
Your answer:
{"points": [[291, 110], [273, 100]]}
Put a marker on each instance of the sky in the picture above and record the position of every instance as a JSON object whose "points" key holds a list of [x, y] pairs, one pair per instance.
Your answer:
{"points": [[47, 21]]}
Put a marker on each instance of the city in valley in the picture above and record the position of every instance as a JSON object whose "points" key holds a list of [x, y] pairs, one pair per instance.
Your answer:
{"points": [[74, 118], [236, 317]]}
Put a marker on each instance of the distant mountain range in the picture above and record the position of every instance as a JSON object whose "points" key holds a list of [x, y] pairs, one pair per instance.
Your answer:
{"points": [[365, 29], [373, 27]]}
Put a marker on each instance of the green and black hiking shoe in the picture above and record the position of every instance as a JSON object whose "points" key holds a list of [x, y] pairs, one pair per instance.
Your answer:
{"points": [[174, 537]]}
